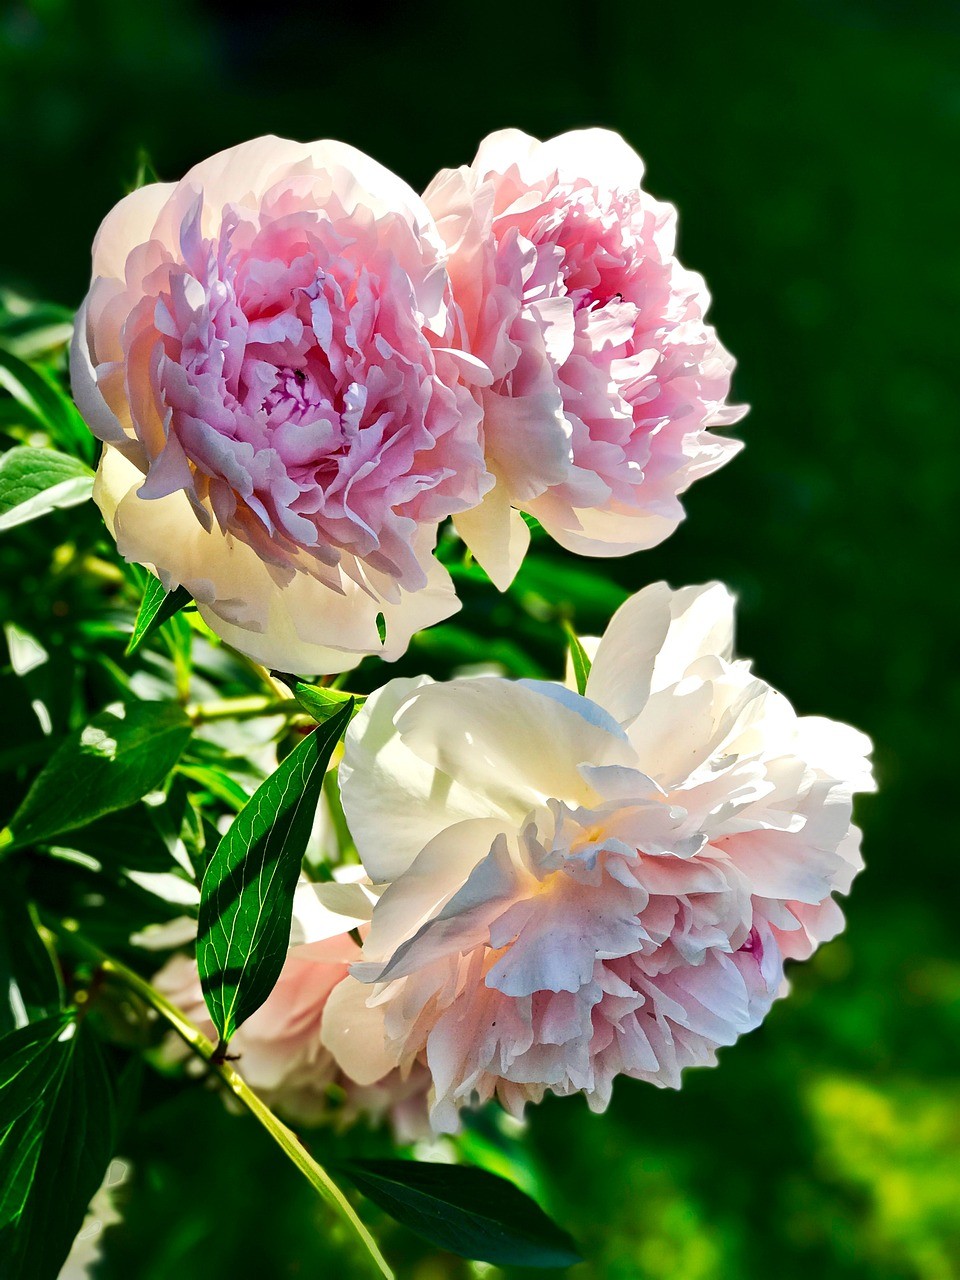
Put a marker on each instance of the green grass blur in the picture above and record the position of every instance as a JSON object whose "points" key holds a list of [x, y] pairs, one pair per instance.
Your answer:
{"points": [[812, 151]]}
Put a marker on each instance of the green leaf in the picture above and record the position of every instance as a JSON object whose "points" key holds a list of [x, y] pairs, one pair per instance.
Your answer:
{"points": [[29, 328], [465, 1210], [129, 839], [566, 588], [217, 782], [120, 756], [533, 524], [34, 482], [29, 985], [322, 703], [578, 658], [57, 1120], [146, 173], [157, 606], [246, 900], [47, 405]]}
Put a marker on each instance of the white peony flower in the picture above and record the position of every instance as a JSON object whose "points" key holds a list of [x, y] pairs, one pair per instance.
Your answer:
{"points": [[583, 887]]}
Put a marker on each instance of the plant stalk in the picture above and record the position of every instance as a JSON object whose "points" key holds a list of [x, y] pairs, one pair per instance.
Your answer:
{"points": [[204, 1048], [246, 708]]}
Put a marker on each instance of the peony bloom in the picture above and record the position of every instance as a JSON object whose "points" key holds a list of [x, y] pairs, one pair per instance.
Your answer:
{"points": [[606, 377], [583, 887], [266, 353], [279, 1049]]}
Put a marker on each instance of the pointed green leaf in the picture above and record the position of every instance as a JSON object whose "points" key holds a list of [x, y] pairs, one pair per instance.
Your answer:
{"points": [[322, 703], [246, 901], [120, 756], [466, 1210], [47, 405], [34, 482], [56, 1139], [578, 658], [29, 985], [157, 607], [146, 174], [29, 328]]}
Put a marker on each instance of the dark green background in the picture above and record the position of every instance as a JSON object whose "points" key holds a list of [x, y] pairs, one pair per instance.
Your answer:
{"points": [[812, 149]]}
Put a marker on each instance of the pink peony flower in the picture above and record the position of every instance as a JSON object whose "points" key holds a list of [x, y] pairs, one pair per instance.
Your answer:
{"points": [[266, 351], [584, 887], [606, 376], [279, 1049]]}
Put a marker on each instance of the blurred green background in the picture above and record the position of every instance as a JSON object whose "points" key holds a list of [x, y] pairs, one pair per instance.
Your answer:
{"points": [[812, 151]]}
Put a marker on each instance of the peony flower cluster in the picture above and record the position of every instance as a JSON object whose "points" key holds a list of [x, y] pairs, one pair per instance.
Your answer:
{"points": [[581, 887], [299, 369]]}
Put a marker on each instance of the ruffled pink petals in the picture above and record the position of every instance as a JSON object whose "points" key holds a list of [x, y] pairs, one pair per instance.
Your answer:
{"points": [[276, 340], [606, 376]]}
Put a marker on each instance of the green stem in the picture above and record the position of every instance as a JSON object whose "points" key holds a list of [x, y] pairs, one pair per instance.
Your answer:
{"points": [[288, 1142], [247, 708]]}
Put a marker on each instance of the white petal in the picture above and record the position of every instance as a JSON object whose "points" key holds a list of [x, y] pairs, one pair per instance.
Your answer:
{"points": [[462, 869], [394, 800], [598, 154], [651, 641], [516, 744], [354, 1033]]}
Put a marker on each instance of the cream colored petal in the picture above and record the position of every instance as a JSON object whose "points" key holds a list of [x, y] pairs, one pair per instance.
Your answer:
{"points": [[83, 383], [354, 1033], [497, 535], [128, 224], [299, 625]]}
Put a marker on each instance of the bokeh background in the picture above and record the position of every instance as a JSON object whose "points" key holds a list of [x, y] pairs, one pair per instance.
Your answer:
{"points": [[812, 149]]}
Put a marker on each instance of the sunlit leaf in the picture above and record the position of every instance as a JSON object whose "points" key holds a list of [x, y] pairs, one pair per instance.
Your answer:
{"points": [[29, 328], [466, 1210], [217, 782], [48, 406], [115, 760], [34, 482], [321, 703], [578, 659], [157, 606], [247, 893]]}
